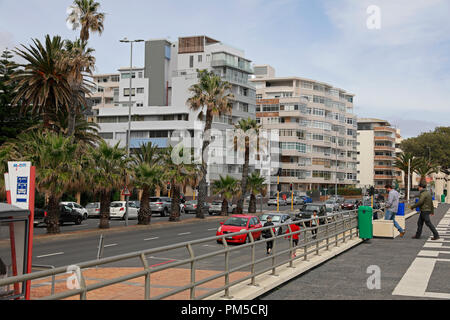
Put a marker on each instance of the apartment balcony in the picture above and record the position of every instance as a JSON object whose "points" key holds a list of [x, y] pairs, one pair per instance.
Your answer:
{"points": [[384, 168], [384, 148], [240, 66], [383, 177], [385, 129], [389, 158], [386, 138]]}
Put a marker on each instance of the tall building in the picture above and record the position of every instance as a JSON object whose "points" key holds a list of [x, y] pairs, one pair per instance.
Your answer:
{"points": [[160, 91], [378, 147], [317, 130]]}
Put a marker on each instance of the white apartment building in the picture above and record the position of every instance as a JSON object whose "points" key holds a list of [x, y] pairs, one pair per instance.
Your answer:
{"points": [[317, 130], [160, 91], [378, 147]]}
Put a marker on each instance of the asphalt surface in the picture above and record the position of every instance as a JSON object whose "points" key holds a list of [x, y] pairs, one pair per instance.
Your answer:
{"points": [[345, 277]]}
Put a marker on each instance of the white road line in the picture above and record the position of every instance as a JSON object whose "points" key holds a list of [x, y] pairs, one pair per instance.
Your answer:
{"points": [[212, 229], [148, 239], [110, 245], [183, 234], [50, 255], [415, 281]]}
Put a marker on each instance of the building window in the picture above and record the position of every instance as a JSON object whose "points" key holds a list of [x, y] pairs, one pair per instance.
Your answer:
{"points": [[200, 57], [107, 135], [115, 78], [191, 61], [126, 92], [126, 75], [140, 90]]}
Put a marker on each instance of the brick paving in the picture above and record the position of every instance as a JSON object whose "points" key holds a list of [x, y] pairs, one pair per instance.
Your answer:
{"points": [[160, 283]]}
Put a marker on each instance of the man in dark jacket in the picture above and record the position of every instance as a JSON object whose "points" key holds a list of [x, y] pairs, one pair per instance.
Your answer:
{"points": [[267, 234], [426, 206]]}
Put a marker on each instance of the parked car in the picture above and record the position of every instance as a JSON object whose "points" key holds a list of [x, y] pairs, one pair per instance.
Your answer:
{"points": [[216, 207], [117, 210], [76, 207], [237, 223], [349, 204], [332, 205], [297, 200], [191, 206], [161, 205], [306, 199], [308, 210], [277, 219], [338, 199], [273, 202], [93, 209], [66, 214]]}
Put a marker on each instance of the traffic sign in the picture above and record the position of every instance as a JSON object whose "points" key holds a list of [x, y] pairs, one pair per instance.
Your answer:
{"points": [[126, 192]]}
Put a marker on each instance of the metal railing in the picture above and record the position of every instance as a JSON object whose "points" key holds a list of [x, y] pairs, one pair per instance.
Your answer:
{"points": [[338, 228]]}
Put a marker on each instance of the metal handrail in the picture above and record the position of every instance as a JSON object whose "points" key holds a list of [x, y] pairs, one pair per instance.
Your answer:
{"points": [[343, 223]]}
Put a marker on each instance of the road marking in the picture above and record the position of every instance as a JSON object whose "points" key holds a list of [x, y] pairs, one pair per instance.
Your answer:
{"points": [[183, 234], [148, 239], [50, 255], [212, 229], [110, 245]]}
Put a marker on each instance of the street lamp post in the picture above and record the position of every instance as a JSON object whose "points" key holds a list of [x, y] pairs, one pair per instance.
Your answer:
{"points": [[125, 40]]}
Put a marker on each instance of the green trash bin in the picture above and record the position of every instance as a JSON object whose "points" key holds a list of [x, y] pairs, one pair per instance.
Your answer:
{"points": [[365, 226], [443, 198]]}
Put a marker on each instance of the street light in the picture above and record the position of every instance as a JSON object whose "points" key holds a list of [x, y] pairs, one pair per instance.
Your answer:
{"points": [[125, 40]]}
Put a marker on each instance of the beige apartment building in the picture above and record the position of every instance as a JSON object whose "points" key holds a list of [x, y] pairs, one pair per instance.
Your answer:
{"points": [[317, 130], [104, 92], [378, 147]]}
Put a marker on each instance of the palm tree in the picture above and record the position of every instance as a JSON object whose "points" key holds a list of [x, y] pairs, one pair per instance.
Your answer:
{"points": [[42, 84], [424, 168], [108, 164], [79, 61], [403, 162], [85, 14], [147, 175], [180, 175], [248, 128], [226, 187], [57, 167], [212, 96], [256, 184]]}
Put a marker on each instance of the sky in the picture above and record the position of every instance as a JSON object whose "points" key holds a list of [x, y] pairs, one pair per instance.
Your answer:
{"points": [[399, 71]]}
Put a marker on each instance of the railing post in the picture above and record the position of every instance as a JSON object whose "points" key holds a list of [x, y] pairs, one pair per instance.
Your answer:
{"points": [[273, 252], [305, 246], [328, 239], [317, 237], [192, 255], [227, 269], [83, 295], [253, 282], [147, 277], [291, 246]]}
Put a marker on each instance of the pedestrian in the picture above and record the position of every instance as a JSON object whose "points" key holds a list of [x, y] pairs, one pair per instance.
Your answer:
{"points": [[293, 228], [392, 207], [426, 206], [314, 224], [267, 234], [3, 274]]}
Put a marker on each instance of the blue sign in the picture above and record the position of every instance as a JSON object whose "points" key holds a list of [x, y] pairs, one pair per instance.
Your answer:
{"points": [[22, 186]]}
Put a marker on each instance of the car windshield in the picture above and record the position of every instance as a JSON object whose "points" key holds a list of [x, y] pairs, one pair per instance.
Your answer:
{"points": [[216, 203], [155, 199], [92, 205], [192, 202], [236, 221], [116, 204], [330, 201], [348, 201], [312, 208]]}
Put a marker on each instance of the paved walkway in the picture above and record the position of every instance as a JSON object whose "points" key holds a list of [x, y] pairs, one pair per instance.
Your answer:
{"points": [[409, 269]]}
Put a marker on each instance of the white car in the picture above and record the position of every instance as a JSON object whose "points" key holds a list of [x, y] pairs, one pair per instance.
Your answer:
{"points": [[75, 206], [273, 202], [117, 210], [93, 209]]}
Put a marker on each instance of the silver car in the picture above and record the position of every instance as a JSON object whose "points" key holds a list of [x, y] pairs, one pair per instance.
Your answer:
{"points": [[277, 219], [216, 207], [93, 209], [273, 202], [161, 205], [191, 206]]}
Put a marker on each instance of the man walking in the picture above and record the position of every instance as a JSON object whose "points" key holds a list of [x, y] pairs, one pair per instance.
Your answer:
{"points": [[267, 234], [426, 206], [392, 207]]}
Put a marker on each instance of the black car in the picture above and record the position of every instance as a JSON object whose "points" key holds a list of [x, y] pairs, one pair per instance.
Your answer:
{"points": [[66, 214], [307, 211]]}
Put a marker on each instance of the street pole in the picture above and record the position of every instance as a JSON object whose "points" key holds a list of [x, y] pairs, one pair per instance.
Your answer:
{"points": [[125, 40], [337, 169], [409, 182], [278, 195]]}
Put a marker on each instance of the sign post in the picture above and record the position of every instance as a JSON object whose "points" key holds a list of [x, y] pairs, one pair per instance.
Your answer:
{"points": [[127, 194], [20, 186]]}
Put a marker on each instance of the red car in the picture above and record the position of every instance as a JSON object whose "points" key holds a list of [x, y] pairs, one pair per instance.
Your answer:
{"points": [[349, 205], [237, 223]]}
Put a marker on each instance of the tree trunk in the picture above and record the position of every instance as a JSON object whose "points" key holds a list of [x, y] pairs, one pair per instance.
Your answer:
{"points": [[73, 112], [203, 188], [53, 215], [175, 212], [144, 214], [252, 204], [105, 202], [224, 211], [240, 203]]}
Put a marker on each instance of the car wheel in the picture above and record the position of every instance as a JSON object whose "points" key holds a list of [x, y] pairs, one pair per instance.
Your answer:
{"points": [[85, 216], [78, 220]]}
